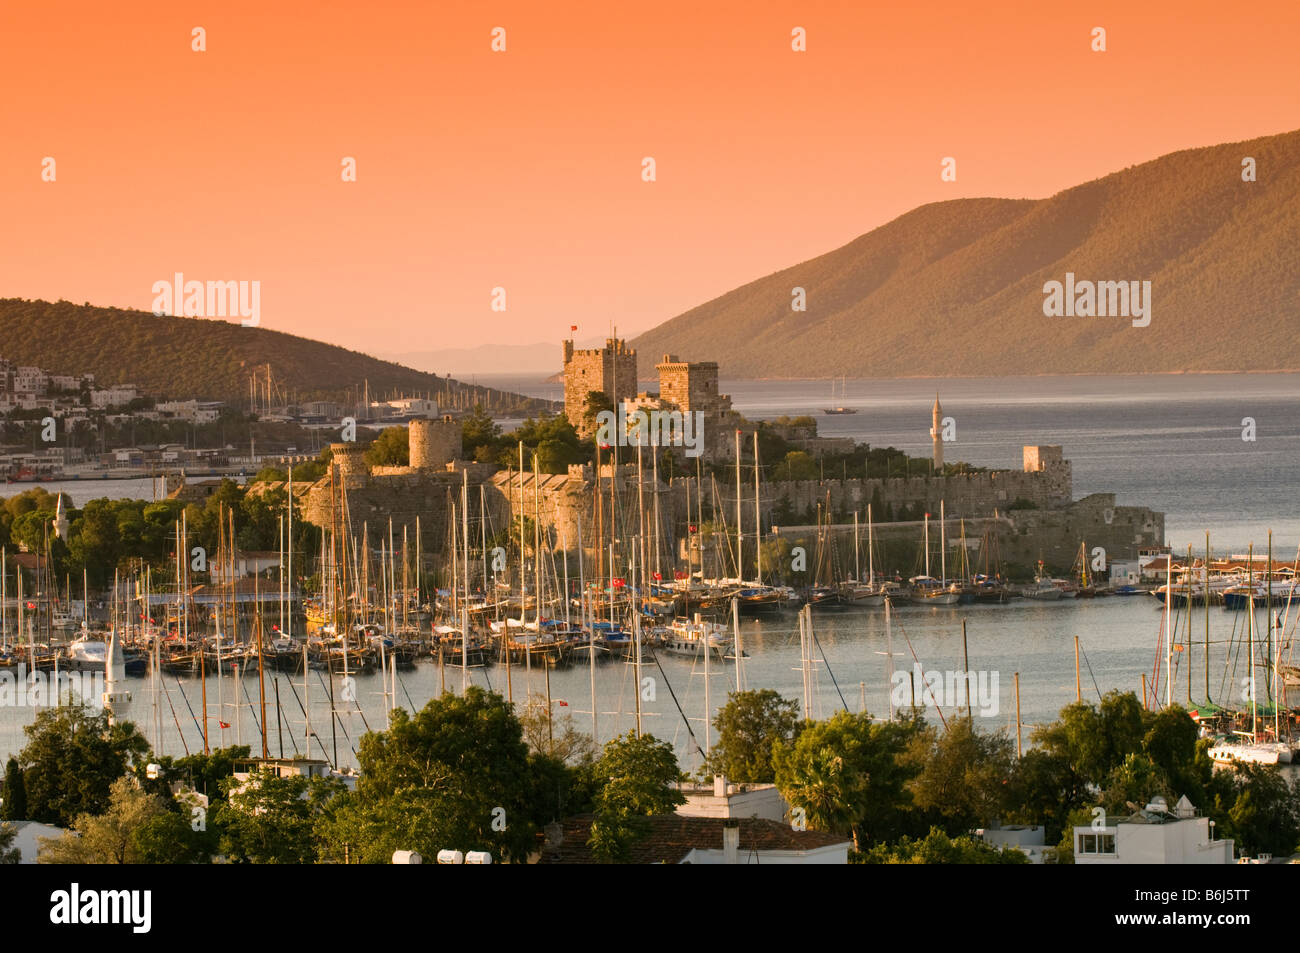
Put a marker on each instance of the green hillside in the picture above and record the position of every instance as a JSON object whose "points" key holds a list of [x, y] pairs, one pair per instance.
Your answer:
{"points": [[211, 360]]}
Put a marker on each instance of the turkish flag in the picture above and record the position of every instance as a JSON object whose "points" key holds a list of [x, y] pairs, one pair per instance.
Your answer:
{"points": [[691, 527], [658, 577], [679, 575], [619, 583], [573, 327], [224, 724], [563, 704]]}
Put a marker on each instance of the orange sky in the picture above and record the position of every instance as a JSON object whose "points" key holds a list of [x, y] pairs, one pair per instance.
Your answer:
{"points": [[522, 169]]}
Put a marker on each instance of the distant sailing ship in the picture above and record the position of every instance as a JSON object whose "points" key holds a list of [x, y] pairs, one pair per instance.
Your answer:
{"points": [[841, 409]]}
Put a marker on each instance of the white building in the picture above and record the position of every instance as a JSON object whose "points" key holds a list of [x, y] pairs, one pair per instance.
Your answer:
{"points": [[1154, 835], [31, 379], [728, 800], [407, 407], [1029, 840], [194, 411], [1125, 573], [113, 396]]}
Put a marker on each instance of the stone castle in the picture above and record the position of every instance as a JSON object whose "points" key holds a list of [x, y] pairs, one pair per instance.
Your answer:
{"points": [[687, 386], [1029, 511]]}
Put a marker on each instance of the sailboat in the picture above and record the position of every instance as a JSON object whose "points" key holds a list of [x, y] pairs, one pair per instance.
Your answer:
{"points": [[872, 592], [1043, 589], [833, 411], [926, 590], [1086, 589]]}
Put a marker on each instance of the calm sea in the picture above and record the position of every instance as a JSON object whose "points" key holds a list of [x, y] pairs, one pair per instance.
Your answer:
{"points": [[1173, 443]]}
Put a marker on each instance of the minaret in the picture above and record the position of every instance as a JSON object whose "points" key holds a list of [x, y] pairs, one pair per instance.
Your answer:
{"points": [[116, 694], [936, 434], [60, 519]]}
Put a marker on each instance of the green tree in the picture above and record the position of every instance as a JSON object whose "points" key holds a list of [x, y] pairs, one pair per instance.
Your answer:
{"points": [[556, 737], [1044, 790], [637, 778], [1258, 808], [15, 793], [392, 448], [1095, 740], [595, 404], [749, 726], [9, 854], [270, 819], [109, 837], [480, 436], [797, 465], [71, 759], [455, 775], [1170, 742], [847, 775], [963, 773], [938, 848]]}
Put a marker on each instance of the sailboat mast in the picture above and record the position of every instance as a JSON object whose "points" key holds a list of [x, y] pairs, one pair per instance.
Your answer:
{"points": [[464, 611], [288, 548], [740, 536], [591, 632], [943, 545], [871, 564], [758, 518], [857, 550], [636, 639], [261, 661], [927, 545], [1207, 617], [654, 477], [1250, 629], [1169, 629]]}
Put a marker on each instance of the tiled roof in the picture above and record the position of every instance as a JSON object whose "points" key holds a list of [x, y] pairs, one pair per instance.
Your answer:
{"points": [[673, 836]]}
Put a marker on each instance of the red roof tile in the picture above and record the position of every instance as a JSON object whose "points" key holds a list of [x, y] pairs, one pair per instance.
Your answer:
{"points": [[673, 836]]}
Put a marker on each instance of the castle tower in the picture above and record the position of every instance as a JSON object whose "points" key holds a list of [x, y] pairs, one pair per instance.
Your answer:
{"points": [[936, 435], [350, 459], [611, 370], [434, 443]]}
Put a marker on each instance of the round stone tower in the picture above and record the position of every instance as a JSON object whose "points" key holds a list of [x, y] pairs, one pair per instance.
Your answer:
{"points": [[434, 443], [350, 459]]}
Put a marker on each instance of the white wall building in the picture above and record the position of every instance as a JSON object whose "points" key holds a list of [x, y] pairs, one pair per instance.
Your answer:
{"points": [[1029, 840], [729, 800], [1154, 835], [113, 396]]}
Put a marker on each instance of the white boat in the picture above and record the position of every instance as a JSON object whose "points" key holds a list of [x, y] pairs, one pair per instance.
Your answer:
{"points": [[85, 655], [926, 590], [692, 638], [1043, 589], [853, 592], [1226, 752]]}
